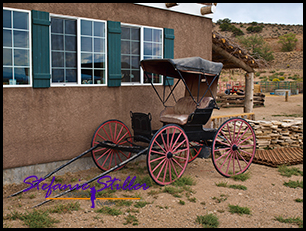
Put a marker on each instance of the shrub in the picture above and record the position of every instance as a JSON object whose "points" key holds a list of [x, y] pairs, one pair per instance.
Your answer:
{"points": [[288, 41]]}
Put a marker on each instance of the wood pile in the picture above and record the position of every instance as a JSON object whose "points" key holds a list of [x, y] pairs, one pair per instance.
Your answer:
{"points": [[275, 134], [224, 100]]}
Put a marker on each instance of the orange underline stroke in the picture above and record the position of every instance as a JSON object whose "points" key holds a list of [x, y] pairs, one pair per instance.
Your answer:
{"points": [[68, 198]]}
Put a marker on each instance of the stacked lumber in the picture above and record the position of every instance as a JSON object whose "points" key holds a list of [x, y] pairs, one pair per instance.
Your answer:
{"points": [[276, 134], [238, 100]]}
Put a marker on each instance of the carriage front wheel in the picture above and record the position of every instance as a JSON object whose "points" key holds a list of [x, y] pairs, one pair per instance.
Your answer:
{"points": [[168, 154], [233, 147]]}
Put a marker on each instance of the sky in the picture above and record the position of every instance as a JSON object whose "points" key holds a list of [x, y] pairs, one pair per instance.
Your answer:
{"points": [[280, 13]]}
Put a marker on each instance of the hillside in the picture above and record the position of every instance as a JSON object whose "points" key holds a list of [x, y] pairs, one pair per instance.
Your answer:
{"points": [[291, 63]]}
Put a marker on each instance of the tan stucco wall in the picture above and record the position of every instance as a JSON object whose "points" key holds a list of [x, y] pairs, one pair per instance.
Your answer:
{"points": [[45, 125]]}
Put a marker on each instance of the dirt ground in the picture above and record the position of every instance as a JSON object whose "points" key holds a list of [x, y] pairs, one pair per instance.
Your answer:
{"points": [[266, 196]]}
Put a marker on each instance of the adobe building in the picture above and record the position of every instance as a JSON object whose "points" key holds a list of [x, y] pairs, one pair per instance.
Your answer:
{"points": [[68, 67]]}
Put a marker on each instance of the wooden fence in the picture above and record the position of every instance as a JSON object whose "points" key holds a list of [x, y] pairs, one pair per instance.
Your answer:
{"points": [[224, 100], [218, 120]]}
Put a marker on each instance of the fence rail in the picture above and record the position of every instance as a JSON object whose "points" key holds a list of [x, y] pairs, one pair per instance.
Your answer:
{"points": [[271, 86]]}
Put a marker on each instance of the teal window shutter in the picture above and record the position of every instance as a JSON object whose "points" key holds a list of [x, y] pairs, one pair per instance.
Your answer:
{"points": [[40, 49], [114, 53], [168, 50]]}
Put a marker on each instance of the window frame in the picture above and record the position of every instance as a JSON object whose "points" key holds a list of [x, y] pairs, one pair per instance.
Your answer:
{"points": [[30, 49], [141, 83], [78, 52]]}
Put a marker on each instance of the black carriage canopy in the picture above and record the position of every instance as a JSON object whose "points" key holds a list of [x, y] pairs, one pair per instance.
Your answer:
{"points": [[184, 69], [192, 65]]}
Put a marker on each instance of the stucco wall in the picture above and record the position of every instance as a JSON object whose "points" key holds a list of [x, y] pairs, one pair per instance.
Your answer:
{"points": [[45, 125]]}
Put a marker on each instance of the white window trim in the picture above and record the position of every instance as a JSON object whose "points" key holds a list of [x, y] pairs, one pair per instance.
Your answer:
{"points": [[79, 84], [30, 49], [142, 55]]}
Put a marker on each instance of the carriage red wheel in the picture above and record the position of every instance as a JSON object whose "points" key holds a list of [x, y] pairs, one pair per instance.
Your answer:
{"points": [[116, 132], [233, 147], [168, 154]]}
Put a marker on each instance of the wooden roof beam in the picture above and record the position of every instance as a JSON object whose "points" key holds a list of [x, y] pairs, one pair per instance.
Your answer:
{"points": [[230, 58], [168, 5]]}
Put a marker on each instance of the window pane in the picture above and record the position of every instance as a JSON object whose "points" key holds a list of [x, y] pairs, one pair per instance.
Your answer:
{"points": [[86, 60], [147, 34], [57, 75], [86, 28], [7, 75], [21, 57], [157, 50], [21, 75], [135, 76], [21, 39], [86, 44], [70, 43], [57, 59], [135, 48], [99, 61], [135, 62], [125, 33], [86, 76], [99, 45], [57, 42], [99, 29], [7, 38], [7, 19], [135, 33], [99, 77], [71, 60], [125, 47], [157, 36], [71, 75], [147, 48], [125, 61], [125, 76], [70, 27], [7, 56], [20, 20], [57, 25]]}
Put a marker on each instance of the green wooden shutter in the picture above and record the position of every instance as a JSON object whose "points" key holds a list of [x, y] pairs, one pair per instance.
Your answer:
{"points": [[168, 50], [114, 53], [40, 49]]}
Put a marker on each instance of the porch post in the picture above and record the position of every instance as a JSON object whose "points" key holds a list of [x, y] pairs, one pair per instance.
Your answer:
{"points": [[249, 89]]}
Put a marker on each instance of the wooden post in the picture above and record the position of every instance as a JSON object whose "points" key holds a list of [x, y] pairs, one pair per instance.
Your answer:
{"points": [[249, 89], [286, 96]]}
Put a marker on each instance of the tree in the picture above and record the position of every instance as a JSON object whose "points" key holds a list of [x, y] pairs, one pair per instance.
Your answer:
{"points": [[257, 47], [289, 42]]}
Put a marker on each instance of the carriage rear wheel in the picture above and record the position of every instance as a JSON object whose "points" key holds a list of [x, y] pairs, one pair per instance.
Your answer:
{"points": [[233, 147], [168, 154], [116, 132]]}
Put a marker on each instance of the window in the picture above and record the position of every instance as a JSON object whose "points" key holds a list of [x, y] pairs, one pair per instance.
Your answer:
{"points": [[153, 48], [78, 51], [63, 50], [130, 54], [92, 52], [16, 48], [139, 43]]}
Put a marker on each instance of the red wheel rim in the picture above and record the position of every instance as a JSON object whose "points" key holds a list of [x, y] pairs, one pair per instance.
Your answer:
{"points": [[168, 154], [114, 131], [234, 147]]}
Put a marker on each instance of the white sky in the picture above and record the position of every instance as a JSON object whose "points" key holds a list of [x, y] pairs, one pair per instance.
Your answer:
{"points": [[280, 13]]}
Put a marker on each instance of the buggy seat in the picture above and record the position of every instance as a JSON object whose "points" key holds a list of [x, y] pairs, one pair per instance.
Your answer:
{"points": [[184, 107]]}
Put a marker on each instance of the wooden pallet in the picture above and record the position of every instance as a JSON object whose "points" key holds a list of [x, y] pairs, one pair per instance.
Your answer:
{"points": [[279, 156]]}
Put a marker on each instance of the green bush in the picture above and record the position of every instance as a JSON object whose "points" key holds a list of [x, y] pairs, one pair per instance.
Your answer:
{"points": [[288, 41]]}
